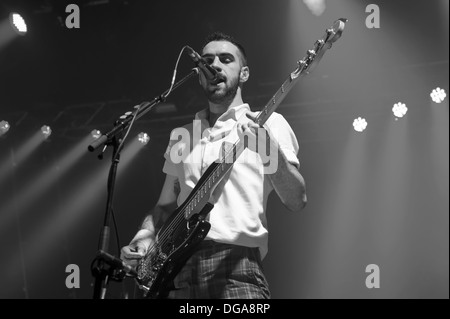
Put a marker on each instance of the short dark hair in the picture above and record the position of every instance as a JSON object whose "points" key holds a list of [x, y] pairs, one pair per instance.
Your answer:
{"points": [[220, 36]]}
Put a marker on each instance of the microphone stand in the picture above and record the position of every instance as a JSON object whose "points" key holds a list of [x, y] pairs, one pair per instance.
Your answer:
{"points": [[106, 267]]}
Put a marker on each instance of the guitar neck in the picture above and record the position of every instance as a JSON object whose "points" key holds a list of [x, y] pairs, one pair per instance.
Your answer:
{"points": [[277, 98]]}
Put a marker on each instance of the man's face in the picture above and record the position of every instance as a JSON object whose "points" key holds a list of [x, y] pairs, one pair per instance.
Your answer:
{"points": [[225, 58]]}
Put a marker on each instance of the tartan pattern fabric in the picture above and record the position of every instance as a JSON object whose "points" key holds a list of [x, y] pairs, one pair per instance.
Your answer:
{"points": [[221, 271]]}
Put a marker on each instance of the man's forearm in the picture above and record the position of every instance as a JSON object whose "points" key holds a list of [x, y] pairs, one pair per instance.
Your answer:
{"points": [[157, 217], [151, 224], [289, 184]]}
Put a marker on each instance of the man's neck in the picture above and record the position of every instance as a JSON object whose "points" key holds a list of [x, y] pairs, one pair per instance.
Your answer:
{"points": [[216, 110]]}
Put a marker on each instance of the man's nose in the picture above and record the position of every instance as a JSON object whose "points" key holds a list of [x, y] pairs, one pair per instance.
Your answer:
{"points": [[216, 64]]}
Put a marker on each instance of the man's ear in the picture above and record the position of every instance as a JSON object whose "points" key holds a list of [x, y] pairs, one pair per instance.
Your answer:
{"points": [[244, 75]]}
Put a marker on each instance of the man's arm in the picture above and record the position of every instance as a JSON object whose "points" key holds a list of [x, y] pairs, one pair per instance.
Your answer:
{"points": [[145, 237], [289, 184], [287, 181], [167, 203]]}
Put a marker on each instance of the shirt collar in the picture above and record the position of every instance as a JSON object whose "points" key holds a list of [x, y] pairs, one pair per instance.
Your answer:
{"points": [[232, 113]]}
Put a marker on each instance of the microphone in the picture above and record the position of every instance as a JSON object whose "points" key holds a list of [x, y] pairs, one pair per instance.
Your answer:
{"points": [[118, 263], [210, 73]]}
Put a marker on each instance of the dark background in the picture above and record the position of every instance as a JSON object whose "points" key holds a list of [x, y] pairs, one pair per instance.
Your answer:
{"points": [[380, 197]]}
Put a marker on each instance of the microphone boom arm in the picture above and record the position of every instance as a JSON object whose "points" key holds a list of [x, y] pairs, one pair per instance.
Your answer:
{"points": [[145, 107]]}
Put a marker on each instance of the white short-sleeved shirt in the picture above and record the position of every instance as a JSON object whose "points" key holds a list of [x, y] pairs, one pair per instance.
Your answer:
{"points": [[239, 213]]}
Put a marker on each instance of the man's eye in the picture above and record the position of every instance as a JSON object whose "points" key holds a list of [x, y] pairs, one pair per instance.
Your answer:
{"points": [[225, 60]]}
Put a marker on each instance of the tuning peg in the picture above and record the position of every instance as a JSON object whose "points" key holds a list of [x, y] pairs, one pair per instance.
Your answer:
{"points": [[301, 63], [319, 43], [311, 54]]}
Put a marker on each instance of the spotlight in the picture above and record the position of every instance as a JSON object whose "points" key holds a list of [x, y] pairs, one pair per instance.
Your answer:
{"points": [[143, 138], [317, 7], [438, 95], [18, 23], [46, 131], [399, 109], [96, 134], [359, 124], [4, 127]]}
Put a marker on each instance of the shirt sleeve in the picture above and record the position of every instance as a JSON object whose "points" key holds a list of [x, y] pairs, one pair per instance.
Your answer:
{"points": [[282, 132]]}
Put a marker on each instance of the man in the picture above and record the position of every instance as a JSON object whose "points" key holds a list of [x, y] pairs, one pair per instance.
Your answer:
{"points": [[227, 264]]}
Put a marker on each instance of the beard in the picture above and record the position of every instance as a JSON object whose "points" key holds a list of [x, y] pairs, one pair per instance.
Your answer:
{"points": [[219, 95]]}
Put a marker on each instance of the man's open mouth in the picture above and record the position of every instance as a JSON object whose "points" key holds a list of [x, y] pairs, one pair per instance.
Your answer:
{"points": [[220, 79]]}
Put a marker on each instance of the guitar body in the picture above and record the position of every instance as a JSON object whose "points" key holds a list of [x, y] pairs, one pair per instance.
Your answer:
{"points": [[162, 264], [176, 241]]}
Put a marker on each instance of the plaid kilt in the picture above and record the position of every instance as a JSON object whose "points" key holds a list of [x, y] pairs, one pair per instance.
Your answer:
{"points": [[221, 271]]}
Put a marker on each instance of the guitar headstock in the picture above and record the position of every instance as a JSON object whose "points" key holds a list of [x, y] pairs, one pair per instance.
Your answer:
{"points": [[314, 55]]}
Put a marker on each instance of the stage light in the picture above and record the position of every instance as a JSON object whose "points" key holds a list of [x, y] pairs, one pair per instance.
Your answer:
{"points": [[18, 23], [4, 127], [39, 184], [46, 131], [96, 134], [399, 109], [438, 95], [359, 124], [317, 7], [143, 138], [69, 214]]}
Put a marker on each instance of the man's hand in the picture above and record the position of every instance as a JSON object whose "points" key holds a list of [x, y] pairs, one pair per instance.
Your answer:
{"points": [[256, 135], [137, 249], [131, 254]]}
